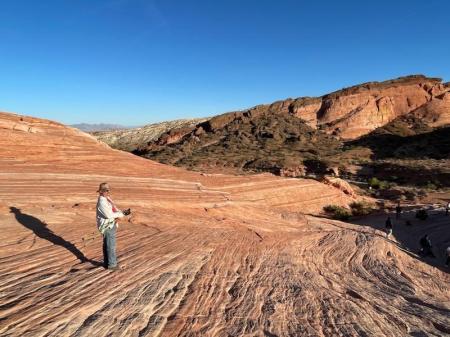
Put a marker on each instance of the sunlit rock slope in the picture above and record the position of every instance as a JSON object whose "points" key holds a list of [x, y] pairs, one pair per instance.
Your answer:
{"points": [[202, 255]]}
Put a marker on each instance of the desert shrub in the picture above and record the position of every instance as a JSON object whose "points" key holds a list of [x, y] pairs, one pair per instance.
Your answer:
{"points": [[421, 214], [410, 195], [432, 185], [385, 185], [374, 183], [315, 166], [378, 184], [337, 212], [360, 208]]}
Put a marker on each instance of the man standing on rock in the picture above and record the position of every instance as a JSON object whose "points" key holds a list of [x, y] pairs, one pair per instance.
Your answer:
{"points": [[107, 217], [388, 226], [398, 211], [447, 251], [425, 247]]}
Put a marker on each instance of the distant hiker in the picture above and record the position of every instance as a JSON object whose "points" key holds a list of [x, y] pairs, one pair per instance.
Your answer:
{"points": [[447, 263], [425, 246], [388, 226], [447, 208], [398, 211], [107, 217]]}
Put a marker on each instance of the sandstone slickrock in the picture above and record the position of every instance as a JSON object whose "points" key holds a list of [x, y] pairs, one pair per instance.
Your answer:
{"points": [[204, 254]]}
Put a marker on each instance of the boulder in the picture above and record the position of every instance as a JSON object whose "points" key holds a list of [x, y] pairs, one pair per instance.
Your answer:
{"points": [[339, 184]]}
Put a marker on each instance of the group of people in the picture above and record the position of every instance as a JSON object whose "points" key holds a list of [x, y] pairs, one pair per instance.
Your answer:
{"points": [[426, 248]]}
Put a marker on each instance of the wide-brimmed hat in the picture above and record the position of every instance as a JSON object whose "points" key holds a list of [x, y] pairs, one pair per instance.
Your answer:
{"points": [[103, 187]]}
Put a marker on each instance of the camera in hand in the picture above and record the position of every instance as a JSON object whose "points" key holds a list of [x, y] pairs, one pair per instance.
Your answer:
{"points": [[127, 211]]}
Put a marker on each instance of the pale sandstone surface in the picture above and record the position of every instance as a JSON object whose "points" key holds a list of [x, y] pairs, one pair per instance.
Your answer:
{"points": [[131, 139], [204, 255]]}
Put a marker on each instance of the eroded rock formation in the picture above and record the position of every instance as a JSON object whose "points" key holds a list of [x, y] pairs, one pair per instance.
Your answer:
{"points": [[347, 113], [314, 136], [130, 139], [356, 111], [351, 112]]}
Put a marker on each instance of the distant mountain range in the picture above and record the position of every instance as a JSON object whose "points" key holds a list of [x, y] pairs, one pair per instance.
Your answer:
{"points": [[98, 127]]}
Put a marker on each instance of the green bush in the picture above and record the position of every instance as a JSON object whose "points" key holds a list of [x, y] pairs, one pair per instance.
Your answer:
{"points": [[378, 184], [384, 185], [337, 212], [360, 208], [432, 185], [421, 214], [374, 183]]}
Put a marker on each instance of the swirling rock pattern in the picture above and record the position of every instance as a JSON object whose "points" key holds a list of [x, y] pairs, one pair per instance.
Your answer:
{"points": [[202, 255]]}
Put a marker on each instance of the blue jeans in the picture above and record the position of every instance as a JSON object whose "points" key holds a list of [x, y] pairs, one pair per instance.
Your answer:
{"points": [[109, 248]]}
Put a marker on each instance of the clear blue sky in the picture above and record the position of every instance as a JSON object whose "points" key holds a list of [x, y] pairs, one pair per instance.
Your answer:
{"points": [[134, 62]]}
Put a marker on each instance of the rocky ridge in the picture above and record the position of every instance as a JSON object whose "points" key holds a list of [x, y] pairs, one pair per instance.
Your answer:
{"points": [[130, 139], [347, 113], [351, 112], [316, 135]]}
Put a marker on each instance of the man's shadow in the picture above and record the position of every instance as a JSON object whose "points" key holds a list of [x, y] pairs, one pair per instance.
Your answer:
{"points": [[40, 229]]}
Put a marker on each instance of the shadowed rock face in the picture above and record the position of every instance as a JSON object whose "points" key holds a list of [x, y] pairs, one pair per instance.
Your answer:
{"points": [[411, 150], [353, 112], [204, 255]]}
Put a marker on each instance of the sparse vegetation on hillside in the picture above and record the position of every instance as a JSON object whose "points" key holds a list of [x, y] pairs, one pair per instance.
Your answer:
{"points": [[338, 212], [265, 143], [360, 208], [357, 208]]}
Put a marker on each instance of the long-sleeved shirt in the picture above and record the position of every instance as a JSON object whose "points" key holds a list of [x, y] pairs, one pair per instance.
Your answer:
{"points": [[105, 214]]}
